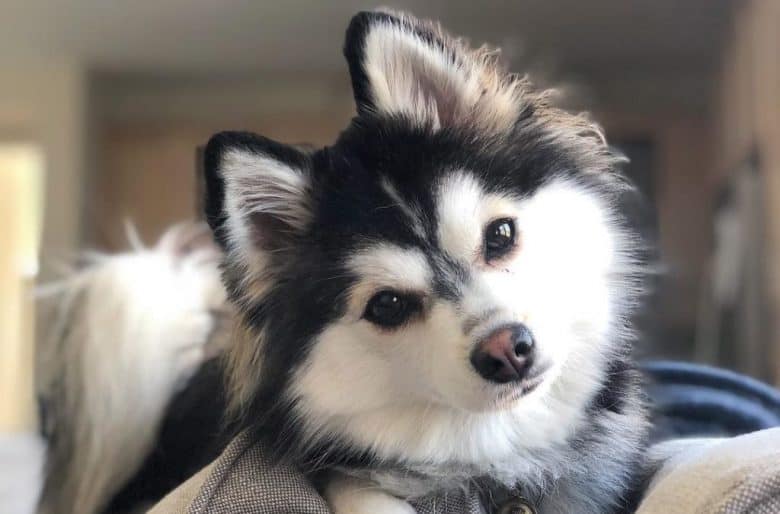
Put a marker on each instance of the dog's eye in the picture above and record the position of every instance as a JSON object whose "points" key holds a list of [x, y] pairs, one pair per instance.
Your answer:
{"points": [[499, 238], [389, 309]]}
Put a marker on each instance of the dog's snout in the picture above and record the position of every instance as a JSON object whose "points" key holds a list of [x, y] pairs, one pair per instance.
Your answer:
{"points": [[505, 355]]}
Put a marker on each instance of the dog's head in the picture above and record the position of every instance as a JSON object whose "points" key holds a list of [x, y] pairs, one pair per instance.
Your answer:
{"points": [[455, 251]]}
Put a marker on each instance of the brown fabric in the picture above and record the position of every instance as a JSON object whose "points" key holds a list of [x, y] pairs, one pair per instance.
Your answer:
{"points": [[716, 476]]}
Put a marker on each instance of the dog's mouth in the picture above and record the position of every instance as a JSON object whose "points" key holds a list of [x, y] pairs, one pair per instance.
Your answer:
{"points": [[510, 393]]}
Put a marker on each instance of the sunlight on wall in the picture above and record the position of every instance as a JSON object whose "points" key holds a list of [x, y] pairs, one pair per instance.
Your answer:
{"points": [[21, 210]]}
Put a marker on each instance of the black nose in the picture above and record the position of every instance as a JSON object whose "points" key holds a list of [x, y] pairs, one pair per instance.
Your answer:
{"points": [[505, 355]]}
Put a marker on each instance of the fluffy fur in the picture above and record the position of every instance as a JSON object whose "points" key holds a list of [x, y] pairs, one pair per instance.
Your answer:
{"points": [[127, 332], [445, 142]]}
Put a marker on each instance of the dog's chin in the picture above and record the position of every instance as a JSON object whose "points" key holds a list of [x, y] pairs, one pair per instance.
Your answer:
{"points": [[507, 396], [492, 397]]}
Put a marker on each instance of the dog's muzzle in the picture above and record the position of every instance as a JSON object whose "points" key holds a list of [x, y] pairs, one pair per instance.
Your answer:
{"points": [[505, 355]]}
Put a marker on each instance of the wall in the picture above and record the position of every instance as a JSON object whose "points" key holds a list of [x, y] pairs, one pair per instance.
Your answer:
{"points": [[684, 189], [21, 173], [749, 119], [46, 102], [43, 103], [150, 127]]}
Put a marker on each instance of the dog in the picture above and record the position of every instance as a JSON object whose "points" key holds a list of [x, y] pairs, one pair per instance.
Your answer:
{"points": [[439, 298], [438, 301]]}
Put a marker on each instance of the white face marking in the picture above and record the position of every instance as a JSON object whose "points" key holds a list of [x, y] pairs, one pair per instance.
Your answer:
{"points": [[412, 391], [463, 211], [387, 266]]}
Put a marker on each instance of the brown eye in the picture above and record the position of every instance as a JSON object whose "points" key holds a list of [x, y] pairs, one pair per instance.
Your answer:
{"points": [[390, 309], [499, 238]]}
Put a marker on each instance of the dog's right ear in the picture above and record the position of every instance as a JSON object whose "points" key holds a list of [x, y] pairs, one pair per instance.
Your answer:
{"points": [[257, 192], [403, 66]]}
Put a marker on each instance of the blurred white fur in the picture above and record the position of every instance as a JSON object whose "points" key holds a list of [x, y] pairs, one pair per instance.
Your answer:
{"points": [[125, 334]]}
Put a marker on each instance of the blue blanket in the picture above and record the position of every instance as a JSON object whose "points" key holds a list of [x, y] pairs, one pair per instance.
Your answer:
{"points": [[696, 400]]}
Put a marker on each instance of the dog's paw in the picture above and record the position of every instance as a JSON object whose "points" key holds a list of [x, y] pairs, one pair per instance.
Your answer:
{"points": [[352, 496]]}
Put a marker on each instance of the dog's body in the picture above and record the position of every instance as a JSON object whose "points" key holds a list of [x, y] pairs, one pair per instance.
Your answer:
{"points": [[439, 299]]}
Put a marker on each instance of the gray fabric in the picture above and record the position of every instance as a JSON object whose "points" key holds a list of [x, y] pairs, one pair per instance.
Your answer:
{"points": [[244, 480], [740, 475], [755, 496]]}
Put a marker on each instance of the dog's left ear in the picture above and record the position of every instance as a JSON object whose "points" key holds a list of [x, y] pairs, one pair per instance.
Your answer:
{"points": [[401, 66]]}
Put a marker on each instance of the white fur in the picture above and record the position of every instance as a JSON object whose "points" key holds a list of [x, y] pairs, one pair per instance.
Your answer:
{"points": [[128, 332], [412, 394], [431, 85], [394, 62], [257, 183], [463, 211], [386, 266], [347, 495]]}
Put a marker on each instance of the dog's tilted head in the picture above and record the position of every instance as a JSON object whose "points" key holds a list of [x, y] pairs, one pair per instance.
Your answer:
{"points": [[447, 282]]}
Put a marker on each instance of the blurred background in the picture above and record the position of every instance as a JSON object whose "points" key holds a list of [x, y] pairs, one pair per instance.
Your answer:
{"points": [[103, 105]]}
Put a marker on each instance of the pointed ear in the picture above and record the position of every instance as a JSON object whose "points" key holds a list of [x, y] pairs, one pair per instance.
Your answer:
{"points": [[403, 66], [257, 191]]}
